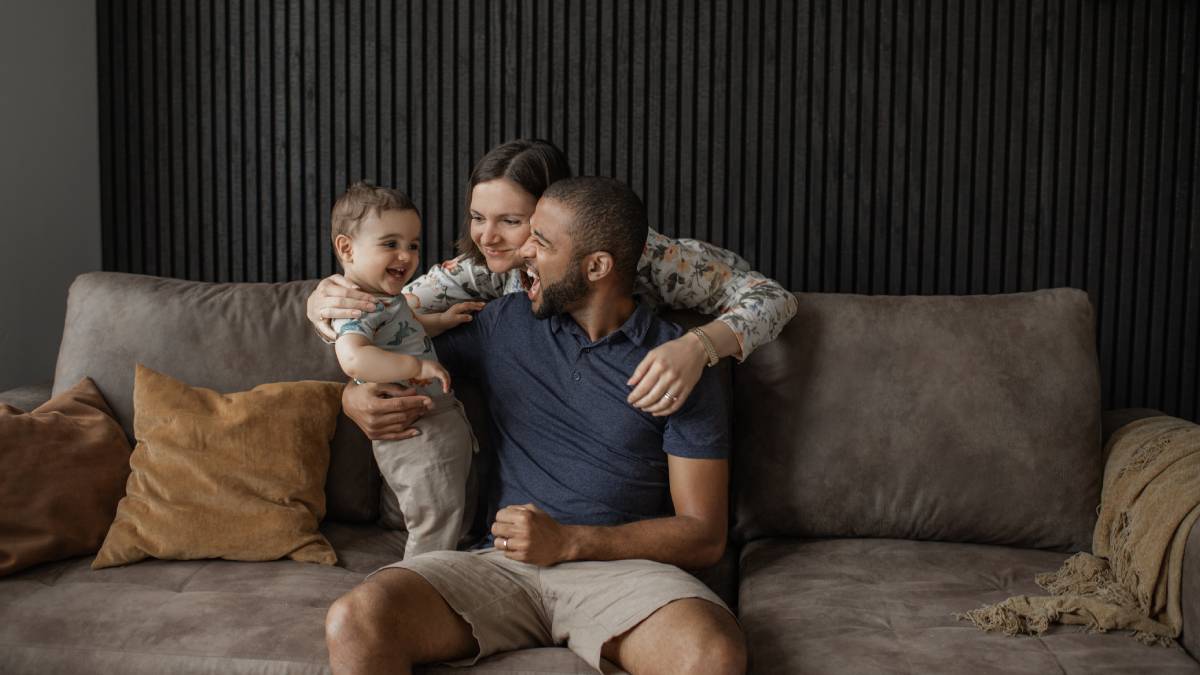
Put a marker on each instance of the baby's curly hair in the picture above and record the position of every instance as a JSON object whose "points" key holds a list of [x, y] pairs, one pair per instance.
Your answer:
{"points": [[361, 200]]}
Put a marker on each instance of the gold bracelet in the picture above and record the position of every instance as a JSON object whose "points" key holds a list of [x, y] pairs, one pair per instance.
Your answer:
{"points": [[709, 349]]}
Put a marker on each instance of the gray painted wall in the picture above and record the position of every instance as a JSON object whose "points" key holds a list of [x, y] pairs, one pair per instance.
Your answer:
{"points": [[49, 176]]}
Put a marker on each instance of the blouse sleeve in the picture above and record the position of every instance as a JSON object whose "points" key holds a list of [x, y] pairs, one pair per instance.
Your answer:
{"points": [[454, 281], [688, 274]]}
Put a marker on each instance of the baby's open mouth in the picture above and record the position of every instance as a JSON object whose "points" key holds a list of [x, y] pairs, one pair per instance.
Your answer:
{"points": [[396, 272]]}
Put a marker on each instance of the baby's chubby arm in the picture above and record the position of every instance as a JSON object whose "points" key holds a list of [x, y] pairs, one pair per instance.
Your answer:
{"points": [[437, 323], [363, 361]]}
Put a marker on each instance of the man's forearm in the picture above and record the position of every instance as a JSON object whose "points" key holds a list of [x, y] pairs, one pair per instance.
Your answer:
{"points": [[685, 541]]}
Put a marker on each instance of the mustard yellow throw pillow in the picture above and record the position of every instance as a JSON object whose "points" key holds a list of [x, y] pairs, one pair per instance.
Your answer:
{"points": [[234, 476]]}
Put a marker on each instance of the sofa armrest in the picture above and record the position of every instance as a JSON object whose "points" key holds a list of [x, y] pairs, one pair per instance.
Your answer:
{"points": [[26, 398], [1190, 593], [1190, 587]]}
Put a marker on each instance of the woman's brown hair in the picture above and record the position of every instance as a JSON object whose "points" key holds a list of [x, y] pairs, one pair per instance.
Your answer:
{"points": [[531, 163]]}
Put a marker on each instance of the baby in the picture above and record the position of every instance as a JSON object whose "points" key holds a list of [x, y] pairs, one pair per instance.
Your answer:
{"points": [[377, 238]]}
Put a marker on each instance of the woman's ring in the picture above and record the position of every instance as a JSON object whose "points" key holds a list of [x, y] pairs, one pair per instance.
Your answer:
{"points": [[670, 397]]}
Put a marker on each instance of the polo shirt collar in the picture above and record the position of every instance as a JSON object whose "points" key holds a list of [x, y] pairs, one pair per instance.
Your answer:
{"points": [[634, 328]]}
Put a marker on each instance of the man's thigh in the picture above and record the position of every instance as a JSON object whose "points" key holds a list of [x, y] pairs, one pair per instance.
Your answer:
{"points": [[689, 635], [493, 599], [593, 604], [412, 612]]}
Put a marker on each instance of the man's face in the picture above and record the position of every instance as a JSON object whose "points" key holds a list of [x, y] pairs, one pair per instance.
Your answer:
{"points": [[559, 283]]}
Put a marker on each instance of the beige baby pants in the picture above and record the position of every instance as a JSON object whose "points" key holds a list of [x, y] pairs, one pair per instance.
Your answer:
{"points": [[425, 479]]}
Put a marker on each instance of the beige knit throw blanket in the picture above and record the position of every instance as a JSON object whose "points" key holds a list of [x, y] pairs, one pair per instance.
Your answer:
{"points": [[1149, 502]]}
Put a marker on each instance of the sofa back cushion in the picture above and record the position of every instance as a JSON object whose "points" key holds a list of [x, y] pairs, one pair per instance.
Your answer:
{"points": [[227, 337], [951, 418]]}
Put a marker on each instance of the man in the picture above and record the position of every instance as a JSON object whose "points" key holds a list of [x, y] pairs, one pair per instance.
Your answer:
{"points": [[599, 502]]}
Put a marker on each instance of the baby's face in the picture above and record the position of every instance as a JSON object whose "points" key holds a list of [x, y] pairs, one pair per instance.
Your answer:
{"points": [[385, 252]]}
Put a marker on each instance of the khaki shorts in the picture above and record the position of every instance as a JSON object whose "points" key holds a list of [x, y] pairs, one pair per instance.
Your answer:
{"points": [[513, 605]]}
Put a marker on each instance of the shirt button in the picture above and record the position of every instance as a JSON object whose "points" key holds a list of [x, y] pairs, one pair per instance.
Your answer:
{"points": [[576, 376]]}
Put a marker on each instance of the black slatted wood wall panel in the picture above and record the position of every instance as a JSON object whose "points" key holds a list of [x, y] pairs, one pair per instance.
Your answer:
{"points": [[917, 146]]}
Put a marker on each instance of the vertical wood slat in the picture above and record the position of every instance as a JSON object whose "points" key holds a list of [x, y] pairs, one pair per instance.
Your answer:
{"points": [[105, 104], [133, 136], [923, 146]]}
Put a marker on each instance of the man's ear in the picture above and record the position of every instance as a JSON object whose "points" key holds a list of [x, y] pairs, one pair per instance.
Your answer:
{"points": [[598, 265], [344, 247]]}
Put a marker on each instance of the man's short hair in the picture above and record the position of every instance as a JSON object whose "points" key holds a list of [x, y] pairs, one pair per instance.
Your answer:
{"points": [[361, 200], [607, 216]]}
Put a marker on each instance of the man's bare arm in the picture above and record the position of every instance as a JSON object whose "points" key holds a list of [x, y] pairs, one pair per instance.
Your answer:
{"points": [[693, 538]]}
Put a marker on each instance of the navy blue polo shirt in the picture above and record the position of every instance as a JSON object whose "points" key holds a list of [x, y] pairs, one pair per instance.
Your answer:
{"points": [[566, 438]]}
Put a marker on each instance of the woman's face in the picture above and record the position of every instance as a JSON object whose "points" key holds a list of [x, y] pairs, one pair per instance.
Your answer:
{"points": [[500, 211]]}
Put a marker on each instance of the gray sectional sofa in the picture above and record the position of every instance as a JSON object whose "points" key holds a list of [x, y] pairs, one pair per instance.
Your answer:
{"points": [[897, 460]]}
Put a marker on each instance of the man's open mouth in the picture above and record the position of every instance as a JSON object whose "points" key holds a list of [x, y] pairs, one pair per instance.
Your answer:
{"points": [[531, 282]]}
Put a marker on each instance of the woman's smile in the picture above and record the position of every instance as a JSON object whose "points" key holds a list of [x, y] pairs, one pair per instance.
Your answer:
{"points": [[499, 217]]}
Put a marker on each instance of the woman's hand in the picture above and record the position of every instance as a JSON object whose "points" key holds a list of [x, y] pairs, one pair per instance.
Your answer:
{"points": [[337, 298], [671, 368], [385, 412], [436, 324]]}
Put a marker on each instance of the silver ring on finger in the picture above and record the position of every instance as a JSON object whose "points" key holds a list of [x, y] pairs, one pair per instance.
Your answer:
{"points": [[670, 397], [504, 544]]}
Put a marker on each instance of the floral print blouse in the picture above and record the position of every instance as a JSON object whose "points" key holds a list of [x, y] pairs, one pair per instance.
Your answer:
{"points": [[678, 273]]}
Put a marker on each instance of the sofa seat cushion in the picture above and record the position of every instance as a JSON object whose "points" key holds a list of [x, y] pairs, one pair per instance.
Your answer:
{"points": [[887, 606], [201, 616]]}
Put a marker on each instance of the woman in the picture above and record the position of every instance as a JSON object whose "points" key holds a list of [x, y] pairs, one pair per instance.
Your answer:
{"points": [[501, 194]]}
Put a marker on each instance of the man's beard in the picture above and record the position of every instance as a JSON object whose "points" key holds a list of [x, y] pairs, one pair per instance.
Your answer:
{"points": [[559, 296]]}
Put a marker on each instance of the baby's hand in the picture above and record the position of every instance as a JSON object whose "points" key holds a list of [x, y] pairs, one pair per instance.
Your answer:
{"points": [[436, 324], [432, 370]]}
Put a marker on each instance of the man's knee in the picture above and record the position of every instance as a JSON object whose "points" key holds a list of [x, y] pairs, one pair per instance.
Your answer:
{"points": [[725, 654], [350, 618], [717, 647], [391, 621], [359, 620]]}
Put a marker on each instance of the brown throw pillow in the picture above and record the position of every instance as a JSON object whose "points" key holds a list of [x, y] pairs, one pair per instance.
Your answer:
{"points": [[64, 469], [235, 476]]}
